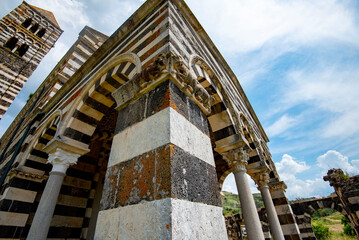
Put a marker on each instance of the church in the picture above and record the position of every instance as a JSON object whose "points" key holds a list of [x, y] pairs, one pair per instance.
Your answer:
{"points": [[132, 135]]}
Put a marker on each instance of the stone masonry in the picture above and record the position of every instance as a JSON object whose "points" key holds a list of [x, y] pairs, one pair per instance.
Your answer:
{"points": [[134, 134], [26, 35]]}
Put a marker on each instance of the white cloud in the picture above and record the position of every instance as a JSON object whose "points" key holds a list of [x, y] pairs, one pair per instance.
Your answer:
{"points": [[298, 188], [281, 125], [334, 159], [68, 13], [248, 25], [287, 169], [329, 89]]}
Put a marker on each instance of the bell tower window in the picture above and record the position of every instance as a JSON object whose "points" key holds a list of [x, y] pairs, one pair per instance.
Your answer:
{"points": [[41, 33], [11, 43], [22, 49], [26, 23], [34, 28]]}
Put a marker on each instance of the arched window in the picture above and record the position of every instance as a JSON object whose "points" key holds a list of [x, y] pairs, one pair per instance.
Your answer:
{"points": [[34, 28], [23, 49], [11, 43], [26, 23], [41, 33]]}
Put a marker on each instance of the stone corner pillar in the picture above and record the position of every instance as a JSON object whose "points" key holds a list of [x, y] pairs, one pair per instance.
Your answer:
{"points": [[161, 170], [284, 210], [238, 158], [61, 160], [262, 180]]}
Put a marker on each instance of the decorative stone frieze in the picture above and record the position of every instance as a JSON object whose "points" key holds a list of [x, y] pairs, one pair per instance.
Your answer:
{"points": [[165, 66], [18, 173], [61, 160]]}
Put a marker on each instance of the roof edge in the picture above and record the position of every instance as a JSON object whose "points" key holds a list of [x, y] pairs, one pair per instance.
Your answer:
{"points": [[188, 14], [36, 9]]}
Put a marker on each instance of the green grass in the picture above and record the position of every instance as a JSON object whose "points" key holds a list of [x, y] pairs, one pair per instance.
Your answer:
{"points": [[231, 204], [333, 221]]}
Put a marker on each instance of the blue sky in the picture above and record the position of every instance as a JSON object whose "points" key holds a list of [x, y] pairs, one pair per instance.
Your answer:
{"points": [[298, 62]]}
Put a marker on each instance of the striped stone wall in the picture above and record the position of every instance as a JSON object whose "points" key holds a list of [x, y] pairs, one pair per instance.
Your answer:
{"points": [[202, 99]]}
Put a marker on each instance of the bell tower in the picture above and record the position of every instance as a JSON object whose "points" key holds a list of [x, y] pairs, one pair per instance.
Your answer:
{"points": [[26, 35]]}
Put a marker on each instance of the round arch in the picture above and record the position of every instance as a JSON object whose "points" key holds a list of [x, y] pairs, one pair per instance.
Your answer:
{"points": [[53, 122], [305, 209], [95, 99]]}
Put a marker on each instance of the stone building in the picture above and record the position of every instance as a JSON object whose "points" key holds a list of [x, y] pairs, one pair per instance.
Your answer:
{"points": [[136, 139], [26, 35]]}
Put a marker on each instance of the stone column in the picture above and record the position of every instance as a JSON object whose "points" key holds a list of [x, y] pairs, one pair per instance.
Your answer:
{"points": [[239, 157], [161, 170], [262, 180], [60, 160]]}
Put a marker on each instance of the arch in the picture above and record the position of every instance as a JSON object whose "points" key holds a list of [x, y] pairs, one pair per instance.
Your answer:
{"points": [[11, 30], [37, 18], [36, 47], [21, 35], [45, 132], [305, 209], [247, 130], [22, 49], [30, 12], [95, 99], [26, 23], [41, 33], [11, 43], [225, 126], [220, 119], [34, 28]]}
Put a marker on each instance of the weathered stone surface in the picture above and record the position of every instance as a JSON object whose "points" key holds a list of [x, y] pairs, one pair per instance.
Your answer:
{"points": [[165, 95], [167, 171]]}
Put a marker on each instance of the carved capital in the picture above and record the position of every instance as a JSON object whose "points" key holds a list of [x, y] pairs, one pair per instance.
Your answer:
{"points": [[261, 179], [61, 160], [236, 159], [165, 66], [277, 186]]}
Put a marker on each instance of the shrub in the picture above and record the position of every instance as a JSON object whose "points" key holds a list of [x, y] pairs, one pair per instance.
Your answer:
{"points": [[321, 231], [347, 228]]}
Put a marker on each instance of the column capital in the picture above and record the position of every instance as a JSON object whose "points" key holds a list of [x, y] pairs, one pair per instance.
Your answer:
{"points": [[61, 160], [237, 159], [166, 66], [261, 179], [276, 186]]}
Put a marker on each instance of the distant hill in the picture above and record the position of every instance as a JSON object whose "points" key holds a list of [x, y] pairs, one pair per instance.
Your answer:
{"points": [[231, 203]]}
